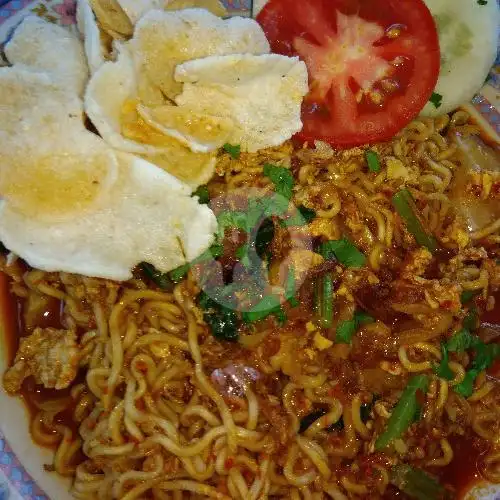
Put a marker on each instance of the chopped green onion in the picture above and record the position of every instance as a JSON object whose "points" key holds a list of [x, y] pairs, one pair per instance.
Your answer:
{"points": [[203, 194], [482, 2], [405, 206], [291, 287], [324, 296], [373, 161], [267, 306], [416, 483], [436, 98], [324, 291], [234, 151], [344, 251], [467, 296], [161, 280], [404, 412]]}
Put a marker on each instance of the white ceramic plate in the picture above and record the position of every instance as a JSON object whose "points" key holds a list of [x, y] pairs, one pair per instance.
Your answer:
{"points": [[22, 475]]}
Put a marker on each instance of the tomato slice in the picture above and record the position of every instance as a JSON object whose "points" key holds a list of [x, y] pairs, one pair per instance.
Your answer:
{"points": [[373, 64]]}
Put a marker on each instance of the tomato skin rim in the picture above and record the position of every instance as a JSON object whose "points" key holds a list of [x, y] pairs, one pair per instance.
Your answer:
{"points": [[382, 125]]}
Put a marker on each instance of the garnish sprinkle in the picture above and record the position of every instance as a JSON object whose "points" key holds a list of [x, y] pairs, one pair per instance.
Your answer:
{"points": [[436, 98], [233, 150]]}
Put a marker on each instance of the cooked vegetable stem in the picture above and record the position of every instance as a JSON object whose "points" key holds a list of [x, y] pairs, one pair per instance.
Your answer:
{"points": [[405, 206], [403, 414]]}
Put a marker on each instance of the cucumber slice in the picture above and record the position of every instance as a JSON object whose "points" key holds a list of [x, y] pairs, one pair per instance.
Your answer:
{"points": [[468, 37], [257, 6]]}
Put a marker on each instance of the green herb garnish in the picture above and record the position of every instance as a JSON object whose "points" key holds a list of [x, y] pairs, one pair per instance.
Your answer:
{"points": [[343, 251], [243, 255], [233, 150], [300, 217], [443, 370], [230, 219], [180, 272], [282, 179], [436, 98], [470, 321], [484, 354], [460, 341], [203, 195], [223, 321], [467, 295], [161, 280], [466, 387]]}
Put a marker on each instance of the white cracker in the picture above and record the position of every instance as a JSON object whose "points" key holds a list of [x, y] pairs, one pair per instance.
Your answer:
{"points": [[262, 94]]}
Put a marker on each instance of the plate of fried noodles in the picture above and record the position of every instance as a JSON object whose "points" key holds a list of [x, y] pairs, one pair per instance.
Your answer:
{"points": [[249, 253]]}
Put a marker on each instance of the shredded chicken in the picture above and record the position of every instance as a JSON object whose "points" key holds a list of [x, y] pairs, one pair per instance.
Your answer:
{"points": [[49, 355]]}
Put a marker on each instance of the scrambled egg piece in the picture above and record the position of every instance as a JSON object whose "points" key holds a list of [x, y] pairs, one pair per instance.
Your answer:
{"points": [[321, 342], [417, 263], [49, 355]]}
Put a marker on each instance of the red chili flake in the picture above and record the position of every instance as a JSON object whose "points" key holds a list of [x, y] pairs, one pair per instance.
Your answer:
{"points": [[447, 304], [140, 405], [91, 424], [247, 475], [229, 463], [222, 487], [141, 366], [475, 189], [338, 393], [495, 189]]}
